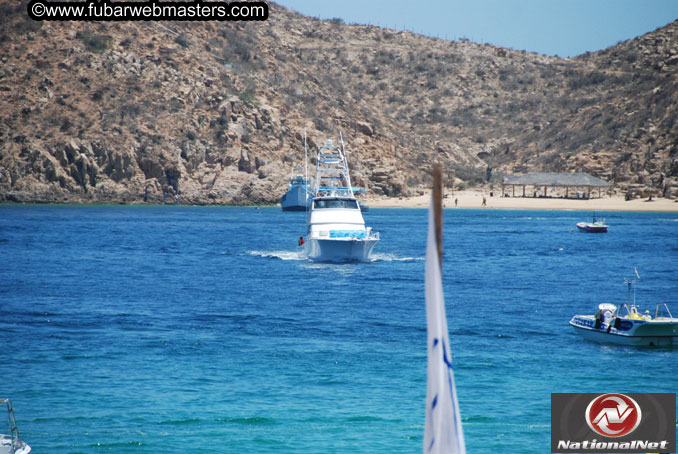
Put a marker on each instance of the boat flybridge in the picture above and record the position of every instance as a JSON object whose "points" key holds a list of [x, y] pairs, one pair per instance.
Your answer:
{"points": [[626, 325], [336, 228], [10, 443]]}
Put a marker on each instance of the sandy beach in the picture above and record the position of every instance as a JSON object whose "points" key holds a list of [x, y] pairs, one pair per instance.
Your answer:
{"points": [[474, 199]]}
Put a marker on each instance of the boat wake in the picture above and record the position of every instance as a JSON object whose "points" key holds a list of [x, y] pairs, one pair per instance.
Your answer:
{"points": [[279, 255], [393, 258], [300, 256]]}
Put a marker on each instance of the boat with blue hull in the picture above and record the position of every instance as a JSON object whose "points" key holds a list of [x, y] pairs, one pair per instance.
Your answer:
{"points": [[336, 229], [298, 195]]}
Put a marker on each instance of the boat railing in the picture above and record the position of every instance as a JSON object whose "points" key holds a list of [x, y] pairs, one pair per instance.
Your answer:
{"points": [[13, 430], [372, 235], [659, 311]]}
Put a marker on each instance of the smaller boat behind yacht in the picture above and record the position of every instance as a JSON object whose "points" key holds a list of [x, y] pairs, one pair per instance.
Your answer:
{"points": [[626, 325], [299, 193], [336, 228], [10, 443]]}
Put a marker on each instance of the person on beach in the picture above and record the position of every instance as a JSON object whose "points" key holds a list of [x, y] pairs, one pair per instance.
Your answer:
{"points": [[455, 202], [484, 201]]}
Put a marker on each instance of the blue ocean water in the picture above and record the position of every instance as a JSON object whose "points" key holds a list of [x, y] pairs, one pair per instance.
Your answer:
{"points": [[200, 329]]}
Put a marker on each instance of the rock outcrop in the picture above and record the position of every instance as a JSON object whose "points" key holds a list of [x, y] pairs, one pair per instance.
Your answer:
{"points": [[215, 113]]}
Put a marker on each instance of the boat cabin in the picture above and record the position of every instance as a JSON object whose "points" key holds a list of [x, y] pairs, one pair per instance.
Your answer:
{"points": [[297, 181], [335, 202]]}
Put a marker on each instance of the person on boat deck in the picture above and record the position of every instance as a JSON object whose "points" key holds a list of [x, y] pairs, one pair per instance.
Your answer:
{"points": [[607, 317], [301, 241]]}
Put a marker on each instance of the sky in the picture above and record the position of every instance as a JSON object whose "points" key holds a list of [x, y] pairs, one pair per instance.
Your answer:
{"points": [[566, 28]]}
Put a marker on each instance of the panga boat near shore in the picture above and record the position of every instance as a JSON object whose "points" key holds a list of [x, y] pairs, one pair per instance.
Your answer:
{"points": [[627, 326], [593, 227], [336, 228], [10, 443]]}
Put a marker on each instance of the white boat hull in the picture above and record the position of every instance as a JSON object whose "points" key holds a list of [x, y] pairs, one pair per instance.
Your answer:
{"points": [[10, 443], [340, 249], [6, 448], [592, 227], [633, 332]]}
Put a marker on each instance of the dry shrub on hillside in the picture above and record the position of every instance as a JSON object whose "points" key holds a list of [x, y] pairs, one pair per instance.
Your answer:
{"points": [[93, 42]]}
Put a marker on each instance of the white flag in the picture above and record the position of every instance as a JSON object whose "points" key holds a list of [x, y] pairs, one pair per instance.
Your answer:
{"points": [[443, 433]]}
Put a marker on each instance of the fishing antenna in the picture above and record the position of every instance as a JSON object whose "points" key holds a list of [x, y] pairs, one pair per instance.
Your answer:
{"points": [[306, 170], [345, 157], [438, 209], [629, 284]]}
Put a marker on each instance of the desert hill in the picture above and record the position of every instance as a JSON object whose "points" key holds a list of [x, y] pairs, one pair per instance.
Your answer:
{"points": [[209, 112]]}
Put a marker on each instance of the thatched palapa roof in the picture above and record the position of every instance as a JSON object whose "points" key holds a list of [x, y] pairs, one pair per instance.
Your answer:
{"points": [[579, 179]]}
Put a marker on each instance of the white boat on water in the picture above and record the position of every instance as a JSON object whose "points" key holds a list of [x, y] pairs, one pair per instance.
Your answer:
{"points": [[336, 229], [593, 227], [626, 325], [10, 443]]}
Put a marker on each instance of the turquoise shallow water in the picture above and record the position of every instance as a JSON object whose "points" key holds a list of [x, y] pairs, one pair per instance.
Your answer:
{"points": [[186, 329]]}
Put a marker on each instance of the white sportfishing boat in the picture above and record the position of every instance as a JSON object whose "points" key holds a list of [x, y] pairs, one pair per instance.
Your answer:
{"points": [[10, 443], [336, 228], [626, 325]]}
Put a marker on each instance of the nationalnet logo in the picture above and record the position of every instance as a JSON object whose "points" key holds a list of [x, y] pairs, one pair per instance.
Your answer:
{"points": [[613, 422], [613, 415]]}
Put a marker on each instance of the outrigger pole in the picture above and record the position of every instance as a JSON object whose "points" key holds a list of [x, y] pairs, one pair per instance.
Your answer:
{"points": [[438, 209], [306, 170], [345, 153], [305, 159]]}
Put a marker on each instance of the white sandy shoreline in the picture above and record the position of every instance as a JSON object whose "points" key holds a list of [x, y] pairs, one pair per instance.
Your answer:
{"points": [[474, 199]]}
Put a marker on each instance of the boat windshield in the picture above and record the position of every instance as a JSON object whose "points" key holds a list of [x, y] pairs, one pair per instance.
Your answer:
{"points": [[336, 203]]}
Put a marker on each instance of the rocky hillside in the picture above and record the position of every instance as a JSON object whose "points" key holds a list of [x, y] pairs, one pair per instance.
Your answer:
{"points": [[209, 112]]}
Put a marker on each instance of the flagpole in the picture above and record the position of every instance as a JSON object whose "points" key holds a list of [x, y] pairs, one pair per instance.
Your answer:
{"points": [[443, 431]]}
